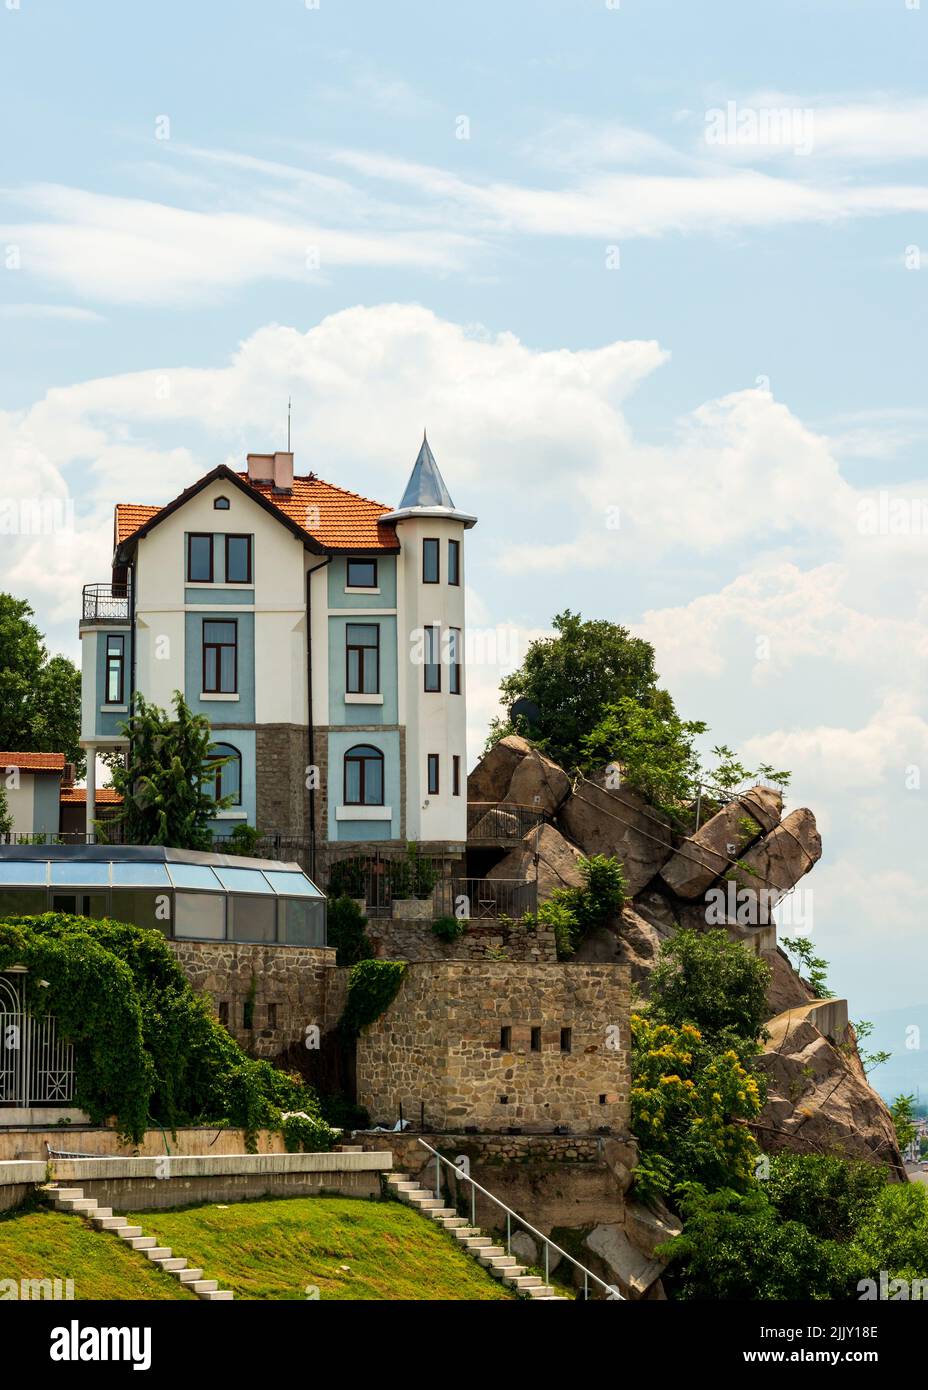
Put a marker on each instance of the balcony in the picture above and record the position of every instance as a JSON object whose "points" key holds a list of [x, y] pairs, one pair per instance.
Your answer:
{"points": [[500, 824], [105, 603]]}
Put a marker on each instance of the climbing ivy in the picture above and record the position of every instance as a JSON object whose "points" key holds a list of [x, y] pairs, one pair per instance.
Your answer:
{"points": [[372, 987], [146, 1045]]}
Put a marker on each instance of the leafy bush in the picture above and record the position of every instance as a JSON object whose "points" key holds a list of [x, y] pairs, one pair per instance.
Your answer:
{"points": [[306, 1134], [656, 750], [829, 1195], [718, 985], [449, 928], [346, 931], [893, 1235], [689, 1105], [348, 878], [412, 876], [734, 1246], [243, 840], [603, 893], [815, 967], [372, 987], [145, 1044]]}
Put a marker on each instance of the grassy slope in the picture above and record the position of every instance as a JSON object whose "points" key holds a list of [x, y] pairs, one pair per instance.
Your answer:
{"points": [[45, 1244], [275, 1249]]}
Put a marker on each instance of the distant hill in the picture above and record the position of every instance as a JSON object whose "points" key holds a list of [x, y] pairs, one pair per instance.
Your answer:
{"points": [[907, 1071]]}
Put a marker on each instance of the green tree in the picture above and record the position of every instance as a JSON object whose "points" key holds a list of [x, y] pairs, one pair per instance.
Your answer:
{"points": [[816, 967], [346, 931], [829, 1195], [715, 984], [40, 696], [6, 818], [656, 751], [574, 677], [903, 1119], [166, 783]]}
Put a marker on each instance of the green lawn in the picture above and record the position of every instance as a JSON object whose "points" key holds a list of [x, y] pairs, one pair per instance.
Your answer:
{"points": [[346, 1247], [40, 1243]]}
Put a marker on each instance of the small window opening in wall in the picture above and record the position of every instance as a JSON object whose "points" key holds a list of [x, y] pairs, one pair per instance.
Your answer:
{"points": [[565, 1039], [504, 1100], [248, 1014], [536, 1039], [224, 1012], [505, 1039], [221, 504], [602, 1100], [272, 1015]]}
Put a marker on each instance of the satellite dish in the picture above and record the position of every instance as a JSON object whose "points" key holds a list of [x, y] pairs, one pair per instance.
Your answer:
{"points": [[525, 709]]}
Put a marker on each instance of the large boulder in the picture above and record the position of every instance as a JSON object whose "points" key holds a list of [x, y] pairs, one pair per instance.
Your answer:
{"points": [[779, 860], [624, 1264], [818, 1098], [786, 990], [706, 855], [619, 822], [558, 861], [490, 779], [514, 771]]}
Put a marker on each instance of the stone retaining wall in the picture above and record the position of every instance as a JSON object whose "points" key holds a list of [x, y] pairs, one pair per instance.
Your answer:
{"points": [[483, 940], [17, 1180], [31, 1143]]}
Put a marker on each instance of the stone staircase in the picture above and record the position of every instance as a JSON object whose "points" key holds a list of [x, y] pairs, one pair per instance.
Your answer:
{"points": [[493, 1257], [72, 1199]]}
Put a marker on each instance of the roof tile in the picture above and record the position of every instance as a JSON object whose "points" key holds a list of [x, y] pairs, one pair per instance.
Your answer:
{"points": [[33, 762]]}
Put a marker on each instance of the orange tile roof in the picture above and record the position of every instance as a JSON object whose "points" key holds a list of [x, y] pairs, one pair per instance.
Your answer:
{"points": [[77, 796], [338, 519], [33, 762]]}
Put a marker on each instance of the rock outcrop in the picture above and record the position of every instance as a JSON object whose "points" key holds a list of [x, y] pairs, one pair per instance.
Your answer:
{"points": [[514, 771], [620, 822], [818, 1098], [709, 853], [558, 861], [778, 861]]}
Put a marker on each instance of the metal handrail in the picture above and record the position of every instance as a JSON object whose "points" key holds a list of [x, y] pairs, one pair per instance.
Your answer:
{"points": [[612, 1293]]}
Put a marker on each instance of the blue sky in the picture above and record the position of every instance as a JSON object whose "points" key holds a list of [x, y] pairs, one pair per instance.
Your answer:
{"points": [[669, 370]]}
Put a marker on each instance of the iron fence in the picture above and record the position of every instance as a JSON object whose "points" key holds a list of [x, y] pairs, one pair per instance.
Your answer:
{"points": [[105, 603], [480, 899], [498, 821]]}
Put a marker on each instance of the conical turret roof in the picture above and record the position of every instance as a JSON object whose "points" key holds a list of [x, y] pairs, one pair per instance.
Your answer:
{"points": [[426, 493]]}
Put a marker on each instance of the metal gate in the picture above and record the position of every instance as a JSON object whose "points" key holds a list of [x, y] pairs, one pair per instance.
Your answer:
{"points": [[36, 1066]]}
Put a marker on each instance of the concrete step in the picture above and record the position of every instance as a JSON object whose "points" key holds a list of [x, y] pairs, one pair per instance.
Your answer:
{"points": [[187, 1276], [462, 1233], [442, 1213], [523, 1281], [477, 1243], [145, 1243], [204, 1286], [498, 1264], [540, 1291], [426, 1204], [490, 1252], [506, 1271], [174, 1264], [158, 1252], [218, 1295], [404, 1184], [80, 1206], [100, 1211], [451, 1223], [128, 1233], [108, 1223], [66, 1194]]}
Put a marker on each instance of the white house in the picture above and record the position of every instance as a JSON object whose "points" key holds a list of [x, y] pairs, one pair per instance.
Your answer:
{"points": [[321, 633]]}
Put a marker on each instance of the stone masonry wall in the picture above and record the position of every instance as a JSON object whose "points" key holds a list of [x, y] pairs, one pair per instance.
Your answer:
{"points": [[282, 757], [441, 1049], [288, 986], [483, 940]]}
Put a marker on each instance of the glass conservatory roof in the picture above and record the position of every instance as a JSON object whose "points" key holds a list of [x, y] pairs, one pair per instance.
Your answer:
{"points": [[149, 866]]}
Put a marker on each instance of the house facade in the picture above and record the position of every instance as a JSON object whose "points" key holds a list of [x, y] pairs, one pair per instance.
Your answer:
{"points": [[321, 633]]}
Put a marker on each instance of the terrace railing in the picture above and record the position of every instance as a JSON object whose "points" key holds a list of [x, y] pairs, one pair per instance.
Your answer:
{"points": [[497, 822], [482, 899], [105, 603]]}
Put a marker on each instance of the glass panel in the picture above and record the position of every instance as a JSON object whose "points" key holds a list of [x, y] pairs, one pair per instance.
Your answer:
{"points": [[253, 919], [454, 555], [200, 552], [302, 923], [354, 677], [218, 632], [80, 904], [194, 876], [209, 670], [22, 902], [239, 551], [227, 677], [201, 915], [143, 907], [76, 873], [362, 634], [373, 782], [430, 561], [370, 673], [244, 880], [293, 885], [352, 781], [15, 871], [362, 574], [141, 875]]}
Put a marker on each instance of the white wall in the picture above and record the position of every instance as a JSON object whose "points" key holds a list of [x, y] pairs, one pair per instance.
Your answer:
{"points": [[21, 802]]}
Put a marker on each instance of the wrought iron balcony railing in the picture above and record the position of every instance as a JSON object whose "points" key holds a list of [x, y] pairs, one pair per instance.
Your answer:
{"points": [[105, 603], [498, 822]]}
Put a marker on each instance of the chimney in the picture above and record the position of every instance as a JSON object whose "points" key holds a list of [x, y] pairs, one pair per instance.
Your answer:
{"points": [[276, 469]]}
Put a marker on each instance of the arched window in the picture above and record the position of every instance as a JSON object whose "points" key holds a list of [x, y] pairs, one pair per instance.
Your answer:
{"points": [[227, 780], [221, 504], [363, 776]]}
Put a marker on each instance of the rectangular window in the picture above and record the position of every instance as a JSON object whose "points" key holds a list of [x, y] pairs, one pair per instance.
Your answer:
{"points": [[220, 657], [362, 658], [272, 1015], [199, 559], [454, 562], [433, 774], [238, 559], [536, 1039], [430, 561], [200, 915], [432, 659], [224, 1012], [456, 775], [252, 919], [115, 669], [362, 574], [505, 1039], [565, 1039], [454, 660]]}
